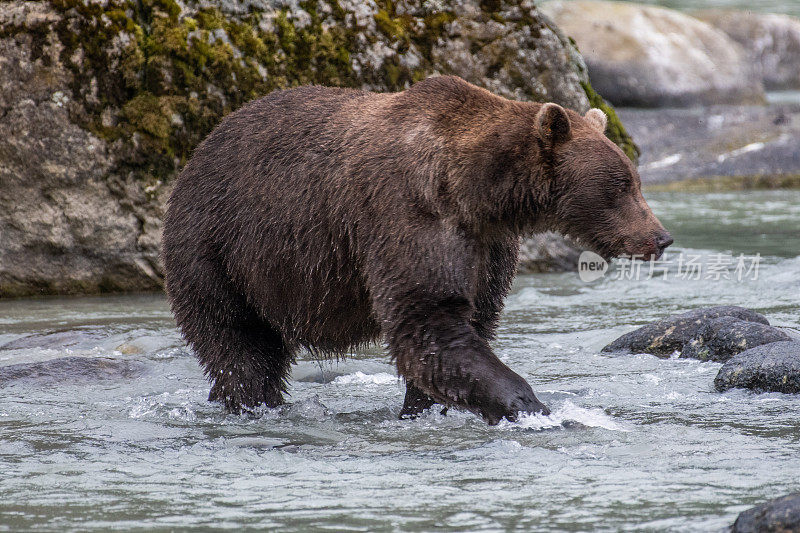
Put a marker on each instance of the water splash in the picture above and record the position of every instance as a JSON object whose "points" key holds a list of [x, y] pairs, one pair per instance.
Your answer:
{"points": [[566, 415]]}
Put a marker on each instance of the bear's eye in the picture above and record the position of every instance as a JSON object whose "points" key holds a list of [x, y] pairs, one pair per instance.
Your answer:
{"points": [[621, 181], [622, 184]]}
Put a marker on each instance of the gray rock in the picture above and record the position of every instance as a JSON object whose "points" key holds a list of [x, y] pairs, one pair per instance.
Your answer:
{"points": [[781, 515], [548, 252], [654, 57], [771, 40], [57, 339], [670, 334], [70, 370], [719, 339], [89, 144], [518, 53], [770, 367], [698, 143], [69, 221]]}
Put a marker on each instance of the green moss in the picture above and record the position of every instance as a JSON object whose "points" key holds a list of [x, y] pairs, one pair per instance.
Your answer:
{"points": [[210, 19], [174, 78], [615, 130], [392, 27], [148, 113], [402, 31]]}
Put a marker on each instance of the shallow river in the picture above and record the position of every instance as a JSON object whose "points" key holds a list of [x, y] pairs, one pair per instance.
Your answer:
{"points": [[634, 442]]}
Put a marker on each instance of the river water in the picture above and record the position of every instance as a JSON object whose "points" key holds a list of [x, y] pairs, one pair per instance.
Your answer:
{"points": [[634, 442]]}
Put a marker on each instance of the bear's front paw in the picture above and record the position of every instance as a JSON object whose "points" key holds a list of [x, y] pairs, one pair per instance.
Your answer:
{"points": [[507, 398], [415, 403]]}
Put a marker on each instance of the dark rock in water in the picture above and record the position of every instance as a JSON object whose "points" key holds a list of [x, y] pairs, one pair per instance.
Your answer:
{"points": [[779, 515], [770, 367], [71, 370], [671, 333], [57, 339], [721, 338]]}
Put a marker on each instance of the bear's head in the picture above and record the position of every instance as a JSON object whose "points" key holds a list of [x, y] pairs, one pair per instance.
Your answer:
{"points": [[595, 189]]}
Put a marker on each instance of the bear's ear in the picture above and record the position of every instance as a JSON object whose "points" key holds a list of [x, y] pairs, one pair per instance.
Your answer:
{"points": [[597, 119], [553, 124]]}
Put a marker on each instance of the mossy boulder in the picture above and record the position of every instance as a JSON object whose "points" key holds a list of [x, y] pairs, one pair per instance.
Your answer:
{"points": [[102, 102]]}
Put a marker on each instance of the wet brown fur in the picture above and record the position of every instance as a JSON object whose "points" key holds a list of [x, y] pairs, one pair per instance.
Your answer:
{"points": [[329, 218]]}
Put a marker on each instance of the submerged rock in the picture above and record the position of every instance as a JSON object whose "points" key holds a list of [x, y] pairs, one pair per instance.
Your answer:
{"points": [[102, 102], [71, 370], [654, 57], [781, 515], [719, 339], [670, 334], [57, 339], [771, 40], [771, 367]]}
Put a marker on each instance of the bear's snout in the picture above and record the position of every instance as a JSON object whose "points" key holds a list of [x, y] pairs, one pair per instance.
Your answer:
{"points": [[663, 240], [650, 247], [657, 245]]}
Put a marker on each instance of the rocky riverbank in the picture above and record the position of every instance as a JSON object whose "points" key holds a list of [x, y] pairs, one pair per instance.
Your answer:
{"points": [[649, 56], [688, 83], [755, 144], [102, 102]]}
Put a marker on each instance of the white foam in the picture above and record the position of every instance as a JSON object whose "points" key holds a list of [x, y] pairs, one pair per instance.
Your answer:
{"points": [[568, 412], [381, 378]]}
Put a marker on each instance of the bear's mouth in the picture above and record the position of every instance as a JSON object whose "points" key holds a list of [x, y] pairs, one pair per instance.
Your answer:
{"points": [[607, 251], [646, 250], [620, 249]]}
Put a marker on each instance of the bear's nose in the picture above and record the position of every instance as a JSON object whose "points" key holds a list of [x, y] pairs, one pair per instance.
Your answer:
{"points": [[663, 240]]}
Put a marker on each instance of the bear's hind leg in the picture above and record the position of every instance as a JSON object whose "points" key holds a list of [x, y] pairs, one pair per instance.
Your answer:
{"points": [[244, 357], [249, 367]]}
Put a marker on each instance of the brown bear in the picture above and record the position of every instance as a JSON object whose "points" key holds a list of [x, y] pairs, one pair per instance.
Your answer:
{"points": [[326, 219]]}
